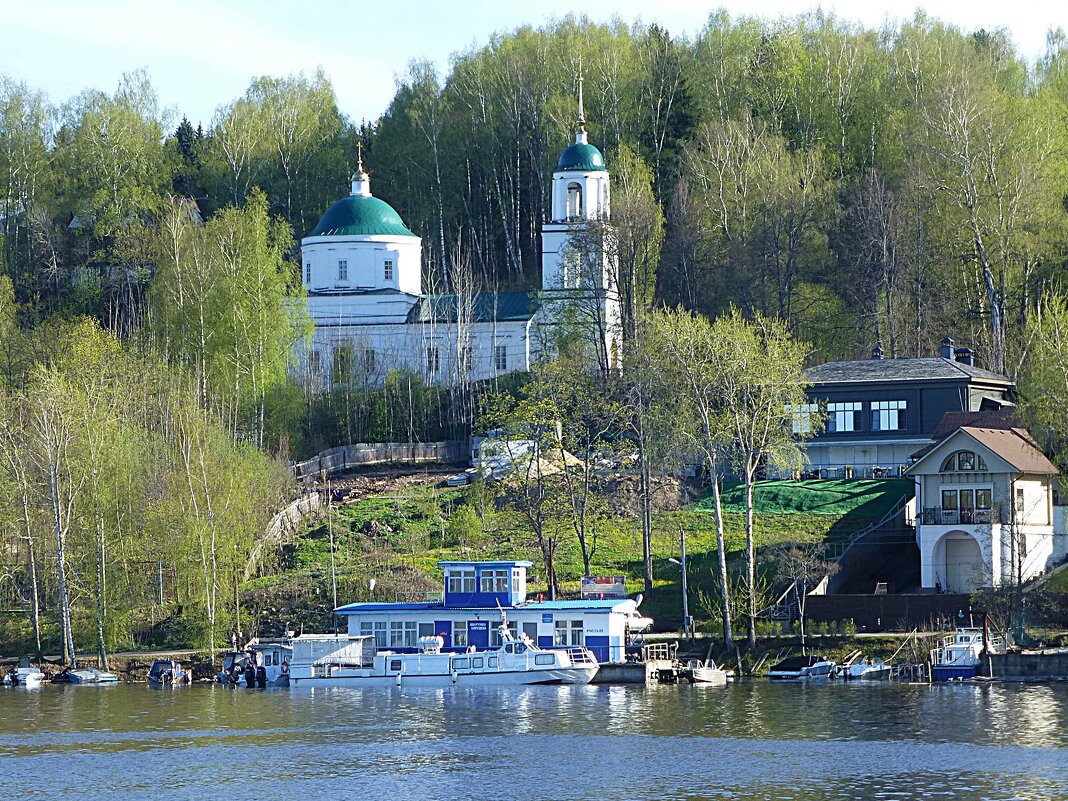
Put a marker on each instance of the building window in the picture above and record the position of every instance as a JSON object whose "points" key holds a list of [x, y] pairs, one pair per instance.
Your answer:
{"points": [[496, 641], [519, 583], [500, 358], [963, 460], [342, 270], [844, 416], [369, 361], [574, 201], [377, 628], [426, 630], [342, 363], [433, 361], [1019, 499], [494, 581], [387, 269], [801, 417], [462, 581], [459, 634], [307, 273], [567, 632], [402, 634], [888, 415]]}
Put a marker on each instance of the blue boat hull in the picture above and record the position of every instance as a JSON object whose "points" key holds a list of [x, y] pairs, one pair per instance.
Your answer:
{"points": [[952, 673]]}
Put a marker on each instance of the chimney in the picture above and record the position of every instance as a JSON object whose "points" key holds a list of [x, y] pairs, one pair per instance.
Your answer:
{"points": [[946, 351], [965, 356], [877, 353]]}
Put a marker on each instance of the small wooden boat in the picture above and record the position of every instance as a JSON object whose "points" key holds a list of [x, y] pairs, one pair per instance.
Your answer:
{"points": [[700, 672], [168, 673]]}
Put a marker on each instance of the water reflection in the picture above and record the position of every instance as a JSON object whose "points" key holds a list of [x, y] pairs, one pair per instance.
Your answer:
{"points": [[750, 739]]}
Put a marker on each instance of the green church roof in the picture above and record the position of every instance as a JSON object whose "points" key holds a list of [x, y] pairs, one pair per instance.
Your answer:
{"points": [[581, 157], [361, 214]]}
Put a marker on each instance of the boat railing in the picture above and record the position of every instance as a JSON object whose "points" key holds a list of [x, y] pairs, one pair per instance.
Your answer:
{"points": [[581, 656]]}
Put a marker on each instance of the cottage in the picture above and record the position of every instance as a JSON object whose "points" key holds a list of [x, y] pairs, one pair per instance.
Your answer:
{"points": [[985, 505]]}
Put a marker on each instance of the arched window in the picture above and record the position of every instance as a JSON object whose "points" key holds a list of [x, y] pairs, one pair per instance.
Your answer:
{"points": [[965, 461], [574, 201]]}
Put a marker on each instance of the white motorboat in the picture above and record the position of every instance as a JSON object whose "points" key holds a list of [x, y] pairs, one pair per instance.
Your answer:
{"points": [[705, 673], [959, 655], [867, 670], [795, 668], [24, 677], [263, 663], [353, 661]]}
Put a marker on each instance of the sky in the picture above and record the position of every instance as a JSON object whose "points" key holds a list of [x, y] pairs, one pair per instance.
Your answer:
{"points": [[201, 54]]}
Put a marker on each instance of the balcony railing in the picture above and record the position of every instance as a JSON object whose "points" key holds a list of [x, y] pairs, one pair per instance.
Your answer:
{"points": [[955, 517], [883, 470]]}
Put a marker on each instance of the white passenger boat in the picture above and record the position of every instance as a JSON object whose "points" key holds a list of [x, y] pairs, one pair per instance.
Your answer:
{"points": [[330, 661], [959, 655], [802, 667]]}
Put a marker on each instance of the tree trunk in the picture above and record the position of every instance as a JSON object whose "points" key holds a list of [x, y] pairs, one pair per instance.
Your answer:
{"points": [[750, 561], [724, 581], [647, 504], [69, 656]]}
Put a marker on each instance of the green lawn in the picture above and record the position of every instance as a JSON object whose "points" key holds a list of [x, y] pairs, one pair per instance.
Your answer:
{"points": [[864, 497]]}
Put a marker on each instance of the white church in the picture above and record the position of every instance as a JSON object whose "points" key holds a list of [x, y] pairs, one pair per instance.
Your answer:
{"points": [[362, 271]]}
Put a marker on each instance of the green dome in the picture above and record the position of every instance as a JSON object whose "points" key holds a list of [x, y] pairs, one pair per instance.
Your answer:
{"points": [[581, 157], [361, 215]]}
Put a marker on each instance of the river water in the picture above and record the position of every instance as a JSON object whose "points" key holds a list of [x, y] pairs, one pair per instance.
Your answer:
{"points": [[750, 740]]}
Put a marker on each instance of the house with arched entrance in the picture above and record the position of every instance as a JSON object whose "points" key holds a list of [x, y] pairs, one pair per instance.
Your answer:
{"points": [[984, 505]]}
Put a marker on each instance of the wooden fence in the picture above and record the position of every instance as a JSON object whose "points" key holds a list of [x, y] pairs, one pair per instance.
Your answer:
{"points": [[346, 457]]}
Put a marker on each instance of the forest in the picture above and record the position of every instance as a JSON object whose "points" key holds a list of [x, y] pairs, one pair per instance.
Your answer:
{"points": [[807, 181]]}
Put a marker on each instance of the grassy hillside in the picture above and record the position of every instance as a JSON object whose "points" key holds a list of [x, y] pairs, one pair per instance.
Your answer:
{"points": [[398, 537]]}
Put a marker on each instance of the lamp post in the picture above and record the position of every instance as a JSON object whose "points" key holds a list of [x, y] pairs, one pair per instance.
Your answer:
{"points": [[681, 562]]}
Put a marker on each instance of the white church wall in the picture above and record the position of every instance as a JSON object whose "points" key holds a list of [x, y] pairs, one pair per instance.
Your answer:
{"points": [[365, 260]]}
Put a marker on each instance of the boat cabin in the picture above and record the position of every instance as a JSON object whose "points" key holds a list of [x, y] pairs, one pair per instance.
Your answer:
{"points": [[467, 614]]}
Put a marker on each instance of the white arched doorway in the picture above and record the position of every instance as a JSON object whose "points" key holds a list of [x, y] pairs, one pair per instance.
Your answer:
{"points": [[959, 563]]}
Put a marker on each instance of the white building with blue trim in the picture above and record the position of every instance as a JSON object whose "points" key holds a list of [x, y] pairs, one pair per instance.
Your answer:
{"points": [[468, 615], [362, 272]]}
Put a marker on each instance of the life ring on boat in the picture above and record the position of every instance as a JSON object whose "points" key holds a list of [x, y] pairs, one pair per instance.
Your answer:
{"points": [[285, 667]]}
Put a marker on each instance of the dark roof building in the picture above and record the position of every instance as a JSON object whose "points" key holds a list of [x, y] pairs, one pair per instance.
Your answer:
{"points": [[879, 412]]}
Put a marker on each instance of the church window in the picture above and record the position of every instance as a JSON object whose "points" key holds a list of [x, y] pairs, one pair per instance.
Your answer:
{"points": [[342, 363], [387, 269], [574, 201], [500, 357], [307, 273], [369, 361], [433, 360], [342, 270]]}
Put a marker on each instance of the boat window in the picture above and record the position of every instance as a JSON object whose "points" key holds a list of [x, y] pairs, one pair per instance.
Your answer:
{"points": [[493, 661], [508, 648], [476, 662], [461, 664], [545, 659], [520, 648], [395, 664]]}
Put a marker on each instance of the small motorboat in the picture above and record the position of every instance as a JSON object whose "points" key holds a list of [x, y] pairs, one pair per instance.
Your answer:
{"points": [[795, 668], [24, 677], [73, 675], [263, 663], [168, 673], [960, 654], [700, 672], [867, 670]]}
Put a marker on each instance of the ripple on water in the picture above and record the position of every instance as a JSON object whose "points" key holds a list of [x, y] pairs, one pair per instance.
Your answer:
{"points": [[750, 740]]}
